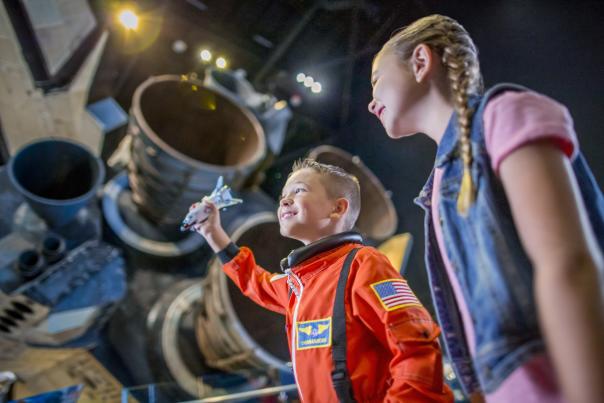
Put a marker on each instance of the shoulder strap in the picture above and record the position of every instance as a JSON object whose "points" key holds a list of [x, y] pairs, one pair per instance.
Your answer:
{"points": [[339, 376]]}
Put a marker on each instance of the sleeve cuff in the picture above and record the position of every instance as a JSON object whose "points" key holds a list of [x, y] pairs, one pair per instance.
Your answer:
{"points": [[228, 253]]}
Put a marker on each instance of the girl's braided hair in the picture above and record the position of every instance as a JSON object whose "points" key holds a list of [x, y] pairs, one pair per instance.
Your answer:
{"points": [[459, 56]]}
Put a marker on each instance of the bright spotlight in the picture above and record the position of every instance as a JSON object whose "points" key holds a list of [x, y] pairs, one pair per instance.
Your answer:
{"points": [[179, 46], [205, 55], [221, 63], [128, 19], [300, 77], [316, 87], [308, 81]]}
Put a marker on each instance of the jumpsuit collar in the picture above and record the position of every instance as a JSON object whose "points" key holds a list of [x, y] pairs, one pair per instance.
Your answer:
{"points": [[307, 252]]}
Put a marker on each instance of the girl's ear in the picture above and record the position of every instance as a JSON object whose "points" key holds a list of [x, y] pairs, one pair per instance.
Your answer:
{"points": [[422, 62]]}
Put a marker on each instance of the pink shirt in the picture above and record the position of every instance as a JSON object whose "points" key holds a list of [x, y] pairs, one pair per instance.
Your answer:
{"points": [[512, 120]]}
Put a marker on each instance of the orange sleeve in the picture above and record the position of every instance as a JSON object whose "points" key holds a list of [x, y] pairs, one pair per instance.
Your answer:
{"points": [[256, 283], [402, 325]]}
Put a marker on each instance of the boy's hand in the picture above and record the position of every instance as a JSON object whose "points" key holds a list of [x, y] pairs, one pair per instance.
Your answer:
{"points": [[210, 227], [209, 224]]}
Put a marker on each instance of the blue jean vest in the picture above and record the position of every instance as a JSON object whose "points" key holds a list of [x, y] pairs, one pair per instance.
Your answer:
{"points": [[494, 272]]}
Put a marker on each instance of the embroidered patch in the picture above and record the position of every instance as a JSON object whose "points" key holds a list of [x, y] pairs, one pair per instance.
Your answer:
{"points": [[394, 293], [313, 334]]}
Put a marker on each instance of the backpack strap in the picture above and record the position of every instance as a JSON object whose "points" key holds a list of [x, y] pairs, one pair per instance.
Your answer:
{"points": [[339, 376]]}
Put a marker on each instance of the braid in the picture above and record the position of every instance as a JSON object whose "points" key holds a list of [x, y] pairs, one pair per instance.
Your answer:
{"points": [[461, 63], [460, 58]]}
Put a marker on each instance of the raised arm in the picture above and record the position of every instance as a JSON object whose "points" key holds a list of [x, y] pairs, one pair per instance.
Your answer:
{"points": [[261, 286]]}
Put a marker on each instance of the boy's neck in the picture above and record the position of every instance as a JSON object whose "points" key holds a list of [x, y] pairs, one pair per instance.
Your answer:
{"points": [[319, 235], [324, 244]]}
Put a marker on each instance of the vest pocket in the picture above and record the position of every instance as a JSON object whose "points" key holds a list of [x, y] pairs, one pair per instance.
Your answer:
{"points": [[449, 187]]}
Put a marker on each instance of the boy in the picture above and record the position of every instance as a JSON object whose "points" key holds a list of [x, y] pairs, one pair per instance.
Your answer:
{"points": [[355, 329]]}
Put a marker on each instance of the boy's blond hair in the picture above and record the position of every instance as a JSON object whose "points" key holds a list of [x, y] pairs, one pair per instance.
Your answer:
{"points": [[337, 183]]}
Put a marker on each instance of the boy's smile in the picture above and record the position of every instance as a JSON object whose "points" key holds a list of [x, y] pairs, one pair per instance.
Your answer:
{"points": [[288, 214]]}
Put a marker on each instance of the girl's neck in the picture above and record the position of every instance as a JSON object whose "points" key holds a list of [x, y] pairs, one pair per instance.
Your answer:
{"points": [[437, 105], [438, 112]]}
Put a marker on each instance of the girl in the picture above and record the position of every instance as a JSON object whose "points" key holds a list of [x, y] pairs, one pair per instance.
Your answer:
{"points": [[514, 220]]}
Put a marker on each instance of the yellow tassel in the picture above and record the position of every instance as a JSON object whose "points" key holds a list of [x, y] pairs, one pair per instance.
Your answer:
{"points": [[466, 196]]}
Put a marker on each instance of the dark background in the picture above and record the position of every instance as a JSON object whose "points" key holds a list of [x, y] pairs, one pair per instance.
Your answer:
{"points": [[554, 47]]}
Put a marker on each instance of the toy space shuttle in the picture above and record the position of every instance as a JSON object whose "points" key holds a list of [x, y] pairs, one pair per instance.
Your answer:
{"points": [[220, 196]]}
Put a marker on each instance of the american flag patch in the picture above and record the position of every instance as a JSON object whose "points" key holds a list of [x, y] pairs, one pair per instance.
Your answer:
{"points": [[394, 293]]}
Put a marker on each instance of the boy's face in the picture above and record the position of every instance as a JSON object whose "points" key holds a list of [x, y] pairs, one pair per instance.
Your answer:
{"points": [[305, 210]]}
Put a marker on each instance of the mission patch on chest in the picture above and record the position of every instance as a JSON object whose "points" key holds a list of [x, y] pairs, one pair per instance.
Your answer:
{"points": [[313, 334]]}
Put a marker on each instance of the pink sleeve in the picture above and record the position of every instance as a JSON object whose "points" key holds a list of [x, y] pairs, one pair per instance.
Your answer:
{"points": [[515, 119]]}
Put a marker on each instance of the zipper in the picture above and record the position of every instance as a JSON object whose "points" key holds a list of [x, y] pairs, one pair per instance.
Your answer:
{"points": [[298, 294]]}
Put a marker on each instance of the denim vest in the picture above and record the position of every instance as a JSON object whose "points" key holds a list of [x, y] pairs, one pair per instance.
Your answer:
{"points": [[494, 272]]}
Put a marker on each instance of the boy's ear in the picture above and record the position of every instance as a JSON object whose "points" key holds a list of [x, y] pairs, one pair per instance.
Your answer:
{"points": [[340, 208], [422, 61]]}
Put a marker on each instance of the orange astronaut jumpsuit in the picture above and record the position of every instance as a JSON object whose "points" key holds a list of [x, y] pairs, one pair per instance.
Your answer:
{"points": [[393, 354]]}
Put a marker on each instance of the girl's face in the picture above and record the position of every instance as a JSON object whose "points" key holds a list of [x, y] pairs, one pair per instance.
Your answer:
{"points": [[396, 96]]}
